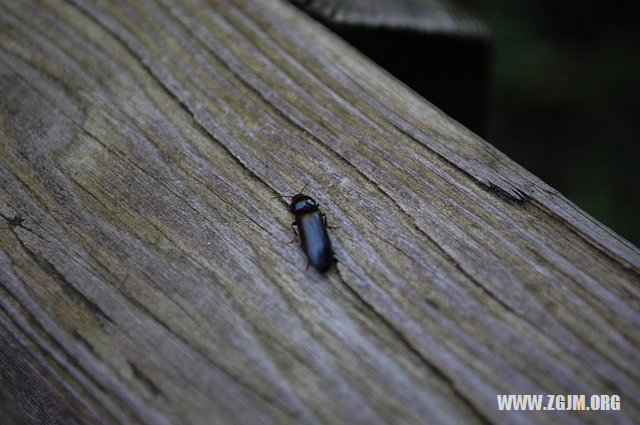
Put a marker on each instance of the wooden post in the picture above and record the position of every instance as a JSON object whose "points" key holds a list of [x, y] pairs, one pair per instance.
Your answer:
{"points": [[144, 271], [437, 48]]}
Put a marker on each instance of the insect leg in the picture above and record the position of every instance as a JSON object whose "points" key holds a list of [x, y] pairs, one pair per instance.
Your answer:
{"points": [[294, 232], [324, 217]]}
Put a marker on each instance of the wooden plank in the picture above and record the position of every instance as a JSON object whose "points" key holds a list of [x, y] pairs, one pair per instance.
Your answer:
{"points": [[426, 16], [437, 48], [144, 271]]}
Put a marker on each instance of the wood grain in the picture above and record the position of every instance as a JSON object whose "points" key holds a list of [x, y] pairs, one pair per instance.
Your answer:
{"points": [[144, 271]]}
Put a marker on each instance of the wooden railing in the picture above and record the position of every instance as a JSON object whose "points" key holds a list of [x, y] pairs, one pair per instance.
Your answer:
{"points": [[145, 275]]}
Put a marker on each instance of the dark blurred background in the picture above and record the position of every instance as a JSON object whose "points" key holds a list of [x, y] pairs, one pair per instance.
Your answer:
{"points": [[564, 99]]}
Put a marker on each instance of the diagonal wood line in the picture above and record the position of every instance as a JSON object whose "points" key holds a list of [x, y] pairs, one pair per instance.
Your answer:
{"points": [[86, 380], [11, 314]]}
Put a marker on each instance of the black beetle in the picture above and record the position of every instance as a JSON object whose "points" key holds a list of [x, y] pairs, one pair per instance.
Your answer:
{"points": [[312, 225]]}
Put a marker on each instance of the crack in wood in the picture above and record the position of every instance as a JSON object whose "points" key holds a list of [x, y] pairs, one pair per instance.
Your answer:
{"points": [[66, 286]]}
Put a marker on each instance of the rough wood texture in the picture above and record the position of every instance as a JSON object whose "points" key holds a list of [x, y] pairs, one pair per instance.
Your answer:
{"points": [[144, 271]]}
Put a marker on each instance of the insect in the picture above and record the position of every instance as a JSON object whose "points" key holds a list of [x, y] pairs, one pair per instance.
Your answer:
{"points": [[312, 225]]}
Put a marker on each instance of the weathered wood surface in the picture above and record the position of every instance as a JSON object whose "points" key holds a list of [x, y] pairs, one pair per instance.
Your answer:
{"points": [[144, 271]]}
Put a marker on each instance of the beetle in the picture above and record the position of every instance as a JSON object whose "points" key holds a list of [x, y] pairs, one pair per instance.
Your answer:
{"points": [[312, 225]]}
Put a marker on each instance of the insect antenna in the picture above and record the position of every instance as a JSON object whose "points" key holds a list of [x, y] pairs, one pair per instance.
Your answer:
{"points": [[291, 196], [303, 188]]}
